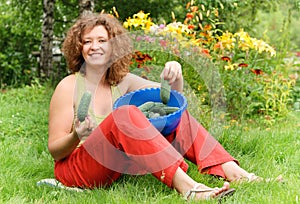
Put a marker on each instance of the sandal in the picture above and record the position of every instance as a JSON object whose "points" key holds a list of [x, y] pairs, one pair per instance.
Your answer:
{"points": [[251, 177], [190, 194]]}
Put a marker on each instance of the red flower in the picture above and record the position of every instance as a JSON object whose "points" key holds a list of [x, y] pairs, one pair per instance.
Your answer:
{"points": [[191, 26], [147, 57], [141, 58], [189, 15], [205, 51], [243, 65], [257, 71], [226, 59]]}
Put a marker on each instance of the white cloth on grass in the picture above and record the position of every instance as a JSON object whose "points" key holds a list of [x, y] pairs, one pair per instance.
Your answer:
{"points": [[56, 184]]}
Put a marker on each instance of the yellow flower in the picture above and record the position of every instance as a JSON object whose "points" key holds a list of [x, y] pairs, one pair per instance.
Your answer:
{"points": [[199, 87], [271, 50], [139, 20], [262, 46], [233, 121], [141, 15], [231, 67], [242, 35], [227, 40], [226, 126], [244, 40], [245, 43], [178, 28], [126, 24]]}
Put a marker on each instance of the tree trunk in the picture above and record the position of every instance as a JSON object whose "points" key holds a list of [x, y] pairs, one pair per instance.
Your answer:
{"points": [[46, 62], [86, 6]]}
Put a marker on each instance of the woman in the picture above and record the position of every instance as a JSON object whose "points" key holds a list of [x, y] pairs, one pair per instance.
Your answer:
{"points": [[97, 151]]}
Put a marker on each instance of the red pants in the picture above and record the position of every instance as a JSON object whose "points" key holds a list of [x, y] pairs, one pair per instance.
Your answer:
{"points": [[126, 143]]}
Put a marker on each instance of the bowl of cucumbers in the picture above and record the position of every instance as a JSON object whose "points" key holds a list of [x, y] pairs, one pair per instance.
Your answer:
{"points": [[162, 106]]}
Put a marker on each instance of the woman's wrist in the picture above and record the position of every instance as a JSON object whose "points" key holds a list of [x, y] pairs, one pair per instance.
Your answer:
{"points": [[75, 134]]}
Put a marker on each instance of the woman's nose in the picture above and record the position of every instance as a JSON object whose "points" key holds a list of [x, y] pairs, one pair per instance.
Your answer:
{"points": [[96, 45]]}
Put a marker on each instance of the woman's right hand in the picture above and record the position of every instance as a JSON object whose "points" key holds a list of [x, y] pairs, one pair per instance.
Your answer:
{"points": [[84, 129]]}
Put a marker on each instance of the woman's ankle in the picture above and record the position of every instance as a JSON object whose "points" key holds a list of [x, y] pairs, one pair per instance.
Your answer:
{"points": [[233, 171]]}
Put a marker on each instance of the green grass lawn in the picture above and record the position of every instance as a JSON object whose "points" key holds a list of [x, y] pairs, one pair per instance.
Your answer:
{"points": [[25, 159]]}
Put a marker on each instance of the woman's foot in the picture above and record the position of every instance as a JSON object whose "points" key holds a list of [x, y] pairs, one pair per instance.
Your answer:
{"points": [[191, 190], [234, 173], [202, 192]]}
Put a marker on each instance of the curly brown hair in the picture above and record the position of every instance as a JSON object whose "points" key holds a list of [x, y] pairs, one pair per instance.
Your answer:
{"points": [[118, 35]]}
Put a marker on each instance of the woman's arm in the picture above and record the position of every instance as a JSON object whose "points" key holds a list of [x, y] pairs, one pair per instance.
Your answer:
{"points": [[62, 141], [172, 73]]}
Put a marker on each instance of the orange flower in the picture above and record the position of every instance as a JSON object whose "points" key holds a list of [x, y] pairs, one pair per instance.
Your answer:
{"points": [[226, 59], [189, 15], [194, 8], [216, 12], [218, 45], [204, 34], [243, 65], [257, 71], [188, 5], [207, 27]]}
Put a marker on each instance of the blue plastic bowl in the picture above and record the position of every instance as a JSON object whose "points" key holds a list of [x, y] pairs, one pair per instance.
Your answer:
{"points": [[165, 124]]}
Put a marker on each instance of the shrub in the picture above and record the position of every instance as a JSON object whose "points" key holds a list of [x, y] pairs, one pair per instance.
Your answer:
{"points": [[247, 79]]}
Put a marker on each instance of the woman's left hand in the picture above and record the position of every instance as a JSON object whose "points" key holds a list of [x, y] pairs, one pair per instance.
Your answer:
{"points": [[172, 72]]}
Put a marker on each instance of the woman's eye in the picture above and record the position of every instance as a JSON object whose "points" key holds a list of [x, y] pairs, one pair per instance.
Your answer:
{"points": [[86, 42], [102, 41]]}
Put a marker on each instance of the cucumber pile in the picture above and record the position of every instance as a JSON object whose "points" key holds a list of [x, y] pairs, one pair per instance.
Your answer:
{"points": [[156, 109]]}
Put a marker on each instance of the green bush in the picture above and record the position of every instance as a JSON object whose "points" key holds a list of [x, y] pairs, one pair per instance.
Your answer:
{"points": [[251, 79]]}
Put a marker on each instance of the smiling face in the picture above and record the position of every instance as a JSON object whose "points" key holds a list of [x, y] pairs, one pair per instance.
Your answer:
{"points": [[96, 49]]}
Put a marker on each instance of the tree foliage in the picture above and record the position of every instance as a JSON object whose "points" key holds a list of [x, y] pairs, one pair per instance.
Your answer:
{"points": [[19, 36]]}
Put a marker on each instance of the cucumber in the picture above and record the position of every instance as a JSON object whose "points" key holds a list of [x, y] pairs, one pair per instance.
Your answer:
{"points": [[159, 110], [153, 115], [165, 91], [170, 109], [83, 107], [146, 106]]}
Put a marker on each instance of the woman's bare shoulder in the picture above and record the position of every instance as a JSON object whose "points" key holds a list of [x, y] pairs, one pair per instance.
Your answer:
{"points": [[65, 88], [124, 83], [67, 84], [67, 81]]}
